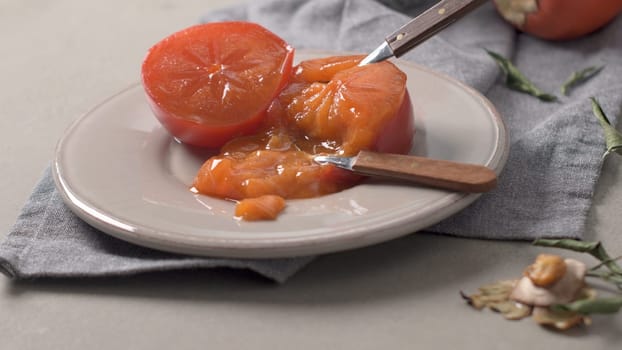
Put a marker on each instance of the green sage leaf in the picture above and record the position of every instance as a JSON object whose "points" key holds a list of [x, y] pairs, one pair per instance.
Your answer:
{"points": [[580, 77], [592, 306], [569, 244], [613, 138], [517, 81]]}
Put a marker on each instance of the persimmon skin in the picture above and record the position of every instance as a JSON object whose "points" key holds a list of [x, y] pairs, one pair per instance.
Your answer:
{"points": [[397, 135], [565, 19]]}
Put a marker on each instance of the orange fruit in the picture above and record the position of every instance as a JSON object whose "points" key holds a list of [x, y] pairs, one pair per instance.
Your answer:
{"points": [[558, 19], [212, 82]]}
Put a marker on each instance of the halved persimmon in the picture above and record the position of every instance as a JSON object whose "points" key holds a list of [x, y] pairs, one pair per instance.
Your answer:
{"points": [[334, 101], [331, 106], [212, 82]]}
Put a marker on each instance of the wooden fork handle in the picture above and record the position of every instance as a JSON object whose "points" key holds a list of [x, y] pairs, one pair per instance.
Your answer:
{"points": [[429, 23], [443, 174]]}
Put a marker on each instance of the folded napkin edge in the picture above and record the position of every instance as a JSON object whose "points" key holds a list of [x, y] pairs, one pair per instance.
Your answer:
{"points": [[6, 268]]}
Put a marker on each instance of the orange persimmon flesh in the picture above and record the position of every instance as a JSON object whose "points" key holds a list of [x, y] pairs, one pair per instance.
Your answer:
{"points": [[265, 207], [331, 106]]}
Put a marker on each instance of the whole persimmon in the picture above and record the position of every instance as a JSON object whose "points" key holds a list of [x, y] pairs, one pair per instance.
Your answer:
{"points": [[558, 19]]}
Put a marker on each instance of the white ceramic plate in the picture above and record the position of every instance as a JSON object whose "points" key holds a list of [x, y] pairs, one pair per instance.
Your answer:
{"points": [[121, 172]]}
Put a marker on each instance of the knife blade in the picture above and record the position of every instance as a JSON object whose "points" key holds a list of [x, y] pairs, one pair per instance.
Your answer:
{"points": [[454, 176], [421, 28]]}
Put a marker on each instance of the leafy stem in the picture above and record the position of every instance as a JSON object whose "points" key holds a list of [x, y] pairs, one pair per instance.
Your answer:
{"points": [[613, 275], [603, 263], [613, 138], [592, 306], [595, 249], [607, 276], [516, 80], [580, 77]]}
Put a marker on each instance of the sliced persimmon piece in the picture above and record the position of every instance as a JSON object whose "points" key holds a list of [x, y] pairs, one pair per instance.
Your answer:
{"points": [[265, 207]]}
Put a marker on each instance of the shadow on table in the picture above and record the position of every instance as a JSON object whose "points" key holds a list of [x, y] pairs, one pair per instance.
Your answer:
{"points": [[418, 264], [429, 268]]}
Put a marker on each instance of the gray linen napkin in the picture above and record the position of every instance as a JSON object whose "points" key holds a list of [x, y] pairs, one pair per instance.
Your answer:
{"points": [[555, 154], [544, 191], [49, 241]]}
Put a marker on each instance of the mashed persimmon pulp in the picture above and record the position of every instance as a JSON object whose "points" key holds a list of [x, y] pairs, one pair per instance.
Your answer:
{"points": [[331, 106]]}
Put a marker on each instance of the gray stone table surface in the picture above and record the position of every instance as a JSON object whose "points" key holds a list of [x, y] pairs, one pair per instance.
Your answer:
{"points": [[61, 57]]}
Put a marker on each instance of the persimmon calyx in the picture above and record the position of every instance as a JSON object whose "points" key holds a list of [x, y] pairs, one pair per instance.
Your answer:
{"points": [[516, 11]]}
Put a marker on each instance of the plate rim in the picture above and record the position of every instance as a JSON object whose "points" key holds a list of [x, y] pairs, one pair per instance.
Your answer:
{"points": [[308, 244]]}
